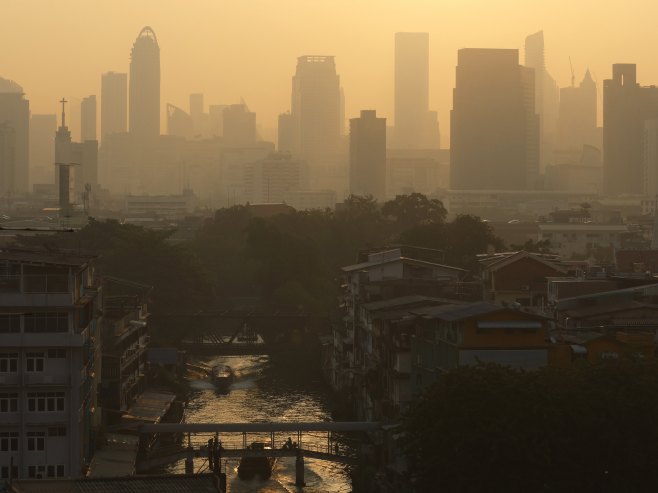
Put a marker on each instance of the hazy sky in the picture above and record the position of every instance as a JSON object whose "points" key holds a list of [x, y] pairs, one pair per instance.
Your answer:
{"points": [[229, 49]]}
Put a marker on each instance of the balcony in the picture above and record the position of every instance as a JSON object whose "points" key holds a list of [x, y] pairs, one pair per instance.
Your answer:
{"points": [[36, 290]]}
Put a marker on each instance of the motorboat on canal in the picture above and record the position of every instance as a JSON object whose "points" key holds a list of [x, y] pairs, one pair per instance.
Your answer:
{"points": [[222, 376], [253, 466]]}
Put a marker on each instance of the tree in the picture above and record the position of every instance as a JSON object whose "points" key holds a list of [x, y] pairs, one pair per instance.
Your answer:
{"points": [[587, 428], [415, 209]]}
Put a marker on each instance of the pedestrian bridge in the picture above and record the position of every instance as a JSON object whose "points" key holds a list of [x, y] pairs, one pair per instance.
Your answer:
{"points": [[316, 440]]}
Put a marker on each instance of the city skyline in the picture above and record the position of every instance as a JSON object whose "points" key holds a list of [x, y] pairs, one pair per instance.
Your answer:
{"points": [[233, 74]]}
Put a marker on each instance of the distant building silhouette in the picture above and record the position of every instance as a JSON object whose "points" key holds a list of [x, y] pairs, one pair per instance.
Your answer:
{"points": [[114, 104], [179, 123], [15, 115], [547, 95], [626, 107], [266, 181], [63, 162], [199, 116], [494, 127], [216, 120], [577, 120], [42, 148], [415, 126], [144, 91], [368, 155], [88, 118], [316, 109], [239, 126], [285, 137]]}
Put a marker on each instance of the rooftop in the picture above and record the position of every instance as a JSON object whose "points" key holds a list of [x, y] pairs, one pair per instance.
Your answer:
{"points": [[45, 256], [197, 483]]}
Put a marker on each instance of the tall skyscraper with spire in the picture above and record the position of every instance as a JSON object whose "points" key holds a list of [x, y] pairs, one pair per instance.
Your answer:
{"points": [[144, 90], [415, 126]]}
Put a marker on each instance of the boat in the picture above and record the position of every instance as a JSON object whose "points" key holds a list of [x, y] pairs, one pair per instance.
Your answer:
{"points": [[253, 466], [222, 376]]}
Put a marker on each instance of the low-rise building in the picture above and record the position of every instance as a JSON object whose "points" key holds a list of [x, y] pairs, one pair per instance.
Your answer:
{"points": [[572, 240]]}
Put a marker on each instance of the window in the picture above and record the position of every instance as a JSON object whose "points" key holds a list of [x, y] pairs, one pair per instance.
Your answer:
{"points": [[8, 362], [4, 472], [36, 441], [40, 402], [8, 441], [10, 323], [56, 353], [46, 322], [8, 403], [57, 431], [34, 361], [37, 472], [55, 471]]}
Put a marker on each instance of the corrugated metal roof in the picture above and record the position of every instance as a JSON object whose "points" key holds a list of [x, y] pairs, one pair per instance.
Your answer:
{"points": [[198, 483]]}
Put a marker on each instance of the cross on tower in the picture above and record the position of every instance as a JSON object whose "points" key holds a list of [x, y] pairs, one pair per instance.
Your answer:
{"points": [[63, 101]]}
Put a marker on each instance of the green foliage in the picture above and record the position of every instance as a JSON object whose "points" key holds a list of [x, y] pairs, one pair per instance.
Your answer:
{"points": [[584, 428], [415, 209], [539, 246]]}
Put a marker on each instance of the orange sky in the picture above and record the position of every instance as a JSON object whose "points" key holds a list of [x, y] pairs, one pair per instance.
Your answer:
{"points": [[230, 49]]}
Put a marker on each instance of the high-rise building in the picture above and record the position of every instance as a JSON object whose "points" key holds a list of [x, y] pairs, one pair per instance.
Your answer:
{"points": [[368, 155], [216, 120], [88, 118], [50, 318], [144, 90], [285, 133], [494, 127], [42, 148], [316, 109], [415, 126], [114, 104], [7, 159], [268, 180], [626, 107], [15, 114], [577, 121], [200, 118], [239, 125], [547, 95], [179, 123]]}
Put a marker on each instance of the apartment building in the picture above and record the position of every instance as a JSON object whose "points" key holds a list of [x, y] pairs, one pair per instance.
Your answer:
{"points": [[50, 312]]}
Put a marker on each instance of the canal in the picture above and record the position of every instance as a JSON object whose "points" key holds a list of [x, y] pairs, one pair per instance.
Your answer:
{"points": [[267, 390]]}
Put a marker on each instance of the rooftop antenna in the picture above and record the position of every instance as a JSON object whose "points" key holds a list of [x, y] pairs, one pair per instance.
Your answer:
{"points": [[573, 75]]}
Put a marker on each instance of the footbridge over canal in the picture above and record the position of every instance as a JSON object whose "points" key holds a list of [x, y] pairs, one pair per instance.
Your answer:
{"points": [[232, 440]]}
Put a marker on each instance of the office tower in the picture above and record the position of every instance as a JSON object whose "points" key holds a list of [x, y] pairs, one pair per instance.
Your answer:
{"points": [[626, 107], [651, 160], [200, 119], [577, 120], [50, 312], [15, 113], [285, 135], [494, 127], [368, 155], [415, 126], [216, 120], [547, 95], [114, 103], [85, 154], [88, 118], [316, 110], [144, 90], [42, 148], [7, 159], [268, 180], [179, 123], [239, 126]]}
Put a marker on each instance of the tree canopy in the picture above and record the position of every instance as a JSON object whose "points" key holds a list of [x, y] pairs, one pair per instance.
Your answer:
{"points": [[584, 428]]}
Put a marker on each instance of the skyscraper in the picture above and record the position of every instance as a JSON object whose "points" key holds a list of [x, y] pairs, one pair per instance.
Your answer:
{"points": [[626, 107], [547, 95], [179, 123], [415, 126], [114, 103], [63, 161], [144, 91], [15, 114], [239, 125], [88, 118], [368, 155], [577, 120], [42, 148], [494, 127], [316, 109]]}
